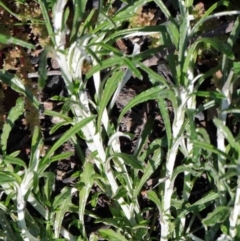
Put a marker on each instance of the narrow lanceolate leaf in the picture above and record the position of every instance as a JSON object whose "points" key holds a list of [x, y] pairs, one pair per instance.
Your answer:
{"points": [[211, 148], [116, 61], [236, 68], [156, 144], [7, 177], [153, 197], [154, 77], [163, 8], [211, 196], [173, 32], [211, 94], [215, 43], [62, 156], [61, 205], [219, 215], [57, 114], [14, 160], [109, 89], [132, 66], [149, 94], [206, 14], [129, 10], [49, 181], [86, 182], [13, 115], [111, 235], [66, 136], [11, 40], [151, 166], [143, 137], [130, 160], [184, 168], [16, 84], [107, 48], [35, 149], [58, 125], [227, 134], [48, 24], [79, 10], [183, 32], [42, 70], [200, 204]]}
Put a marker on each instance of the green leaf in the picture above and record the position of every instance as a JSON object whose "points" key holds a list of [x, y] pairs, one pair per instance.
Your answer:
{"points": [[211, 196], [115, 61], [154, 77], [61, 204], [87, 179], [146, 30], [49, 181], [206, 14], [35, 149], [6, 223], [211, 148], [184, 168], [79, 10], [209, 94], [15, 153], [183, 38], [14, 161], [130, 160], [227, 134], [215, 43], [111, 235], [144, 137], [199, 205], [42, 70], [173, 32], [66, 136], [109, 89], [6, 177], [121, 192], [150, 168], [163, 8], [219, 215], [132, 66], [61, 156], [149, 94], [65, 193], [203, 136], [57, 114], [129, 11], [149, 52], [11, 40], [151, 195], [236, 67], [155, 144], [58, 125], [48, 23], [13, 115], [107, 47], [17, 85]]}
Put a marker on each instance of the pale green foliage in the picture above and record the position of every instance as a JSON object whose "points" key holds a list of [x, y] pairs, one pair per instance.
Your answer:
{"points": [[118, 175]]}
